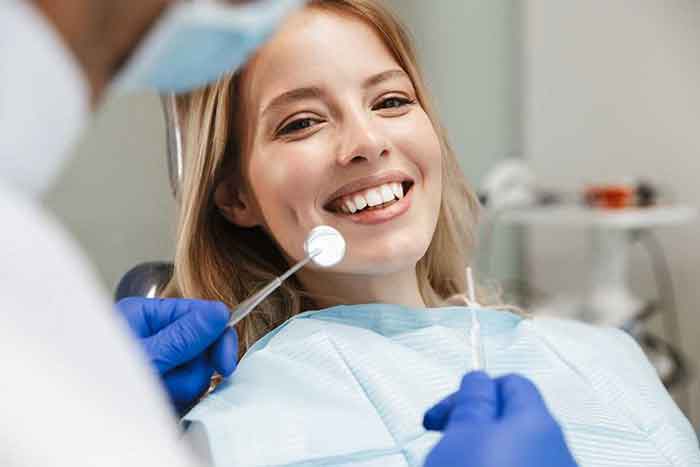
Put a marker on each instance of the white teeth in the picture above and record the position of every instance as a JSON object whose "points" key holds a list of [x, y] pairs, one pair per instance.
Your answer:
{"points": [[387, 193], [360, 202], [350, 206], [374, 198], [371, 197]]}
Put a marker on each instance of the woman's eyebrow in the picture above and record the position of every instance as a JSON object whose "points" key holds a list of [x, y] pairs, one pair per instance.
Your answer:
{"points": [[292, 96], [383, 76]]}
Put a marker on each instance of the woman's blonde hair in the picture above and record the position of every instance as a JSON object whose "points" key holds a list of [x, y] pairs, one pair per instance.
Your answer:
{"points": [[217, 260]]}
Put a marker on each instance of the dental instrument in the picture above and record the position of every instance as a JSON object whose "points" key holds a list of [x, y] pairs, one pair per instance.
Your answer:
{"points": [[475, 332], [324, 245]]}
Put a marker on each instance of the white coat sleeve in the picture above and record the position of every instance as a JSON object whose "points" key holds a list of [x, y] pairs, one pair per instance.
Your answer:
{"points": [[75, 389]]}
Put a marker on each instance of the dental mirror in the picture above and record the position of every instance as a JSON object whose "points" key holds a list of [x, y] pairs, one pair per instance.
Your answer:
{"points": [[330, 243], [324, 245]]}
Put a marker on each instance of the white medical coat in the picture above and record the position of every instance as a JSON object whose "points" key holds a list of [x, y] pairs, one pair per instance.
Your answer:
{"points": [[74, 389]]}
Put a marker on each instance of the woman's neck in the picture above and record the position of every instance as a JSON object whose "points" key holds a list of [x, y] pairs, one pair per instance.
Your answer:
{"points": [[329, 289]]}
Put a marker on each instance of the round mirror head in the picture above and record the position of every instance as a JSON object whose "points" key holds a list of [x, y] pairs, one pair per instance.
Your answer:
{"points": [[329, 241]]}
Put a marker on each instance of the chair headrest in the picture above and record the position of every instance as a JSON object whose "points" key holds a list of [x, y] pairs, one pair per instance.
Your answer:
{"points": [[144, 280]]}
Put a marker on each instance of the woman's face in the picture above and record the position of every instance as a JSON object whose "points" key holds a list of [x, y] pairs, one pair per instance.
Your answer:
{"points": [[340, 139]]}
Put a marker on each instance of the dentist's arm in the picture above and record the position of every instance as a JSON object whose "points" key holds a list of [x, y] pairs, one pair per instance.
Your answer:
{"points": [[499, 422], [185, 340]]}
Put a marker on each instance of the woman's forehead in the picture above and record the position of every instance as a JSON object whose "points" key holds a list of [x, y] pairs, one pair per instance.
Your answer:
{"points": [[317, 48]]}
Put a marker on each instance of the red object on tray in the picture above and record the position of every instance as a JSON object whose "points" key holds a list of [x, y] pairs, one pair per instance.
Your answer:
{"points": [[611, 196]]}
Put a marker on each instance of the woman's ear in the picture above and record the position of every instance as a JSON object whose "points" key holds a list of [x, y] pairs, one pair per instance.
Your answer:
{"points": [[236, 204]]}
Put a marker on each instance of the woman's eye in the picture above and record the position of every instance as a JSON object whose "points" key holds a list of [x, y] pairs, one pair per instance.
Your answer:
{"points": [[392, 103], [297, 125]]}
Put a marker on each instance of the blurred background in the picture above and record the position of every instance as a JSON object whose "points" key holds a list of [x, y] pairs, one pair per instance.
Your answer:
{"points": [[574, 93]]}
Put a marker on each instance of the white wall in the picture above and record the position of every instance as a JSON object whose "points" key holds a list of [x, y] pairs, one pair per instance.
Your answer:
{"points": [[114, 196], [612, 88]]}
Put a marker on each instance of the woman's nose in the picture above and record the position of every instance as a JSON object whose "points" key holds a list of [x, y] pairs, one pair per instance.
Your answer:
{"points": [[363, 141]]}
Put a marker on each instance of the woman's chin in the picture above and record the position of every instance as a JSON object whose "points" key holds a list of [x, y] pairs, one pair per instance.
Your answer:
{"points": [[383, 262]]}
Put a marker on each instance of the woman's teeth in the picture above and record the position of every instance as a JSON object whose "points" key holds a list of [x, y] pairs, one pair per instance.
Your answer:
{"points": [[370, 198]]}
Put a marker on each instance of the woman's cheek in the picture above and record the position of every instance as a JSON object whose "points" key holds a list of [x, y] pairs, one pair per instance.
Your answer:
{"points": [[418, 140], [299, 167], [277, 172], [415, 125], [291, 181]]}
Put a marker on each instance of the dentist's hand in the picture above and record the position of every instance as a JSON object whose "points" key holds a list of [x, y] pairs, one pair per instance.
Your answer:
{"points": [[186, 340], [499, 422]]}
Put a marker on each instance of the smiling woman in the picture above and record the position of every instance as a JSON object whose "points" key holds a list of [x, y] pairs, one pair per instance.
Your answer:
{"points": [[317, 131], [329, 123]]}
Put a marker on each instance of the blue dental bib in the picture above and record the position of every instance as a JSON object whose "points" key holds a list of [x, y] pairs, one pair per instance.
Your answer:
{"points": [[349, 385]]}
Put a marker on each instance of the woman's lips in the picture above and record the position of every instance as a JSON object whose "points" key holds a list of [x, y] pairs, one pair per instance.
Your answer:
{"points": [[393, 176], [379, 216]]}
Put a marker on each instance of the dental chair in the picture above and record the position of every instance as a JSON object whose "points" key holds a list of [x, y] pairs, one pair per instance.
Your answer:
{"points": [[144, 280]]}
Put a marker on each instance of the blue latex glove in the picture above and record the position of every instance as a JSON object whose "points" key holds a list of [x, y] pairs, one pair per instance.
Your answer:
{"points": [[499, 422], [186, 340]]}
